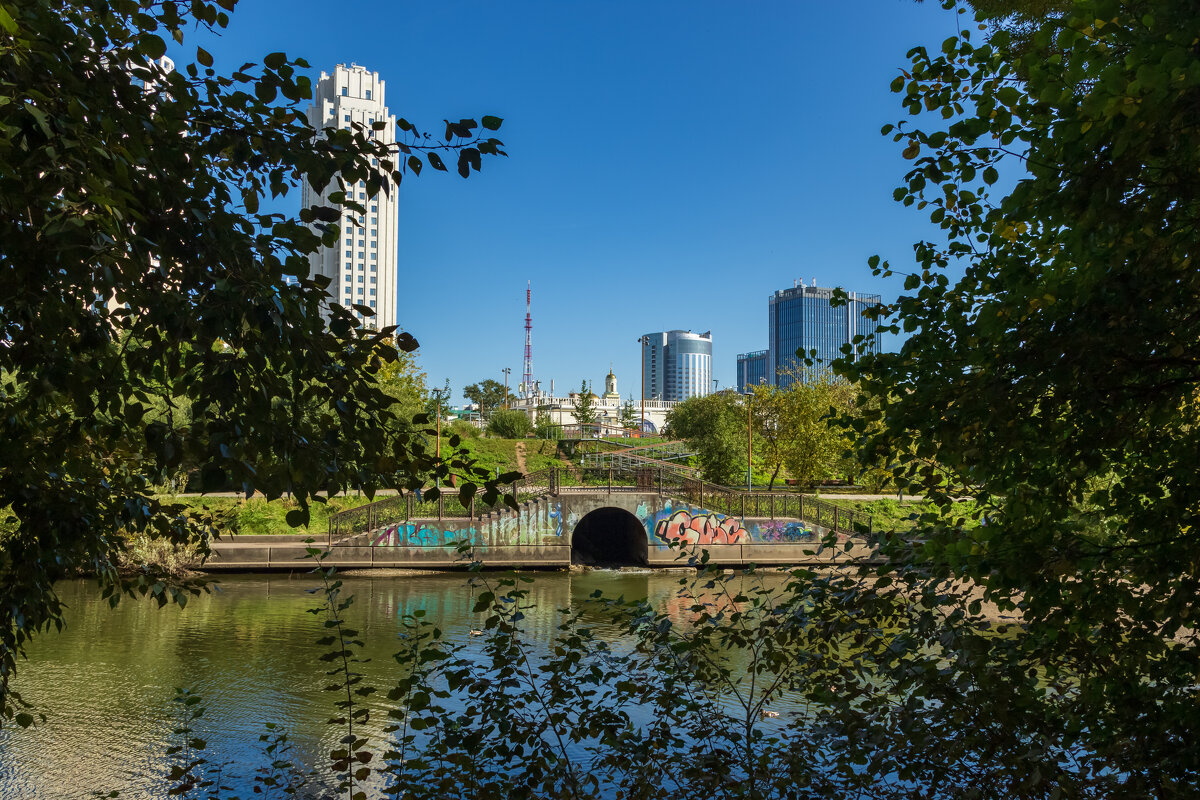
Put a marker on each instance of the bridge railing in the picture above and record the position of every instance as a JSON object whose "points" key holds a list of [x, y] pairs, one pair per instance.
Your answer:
{"points": [[348, 524], [665, 480]]}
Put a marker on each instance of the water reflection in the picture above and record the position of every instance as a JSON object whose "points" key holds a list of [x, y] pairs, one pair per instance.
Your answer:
{"points": [[106, 682]]}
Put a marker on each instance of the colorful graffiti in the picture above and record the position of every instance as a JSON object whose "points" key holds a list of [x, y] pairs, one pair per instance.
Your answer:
{"points": [[700, 528], [780, 531], [420, 535], [529, 525], [694, 525]]}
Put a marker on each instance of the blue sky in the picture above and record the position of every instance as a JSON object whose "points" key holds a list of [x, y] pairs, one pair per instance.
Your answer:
{"points": [[671, 164]]}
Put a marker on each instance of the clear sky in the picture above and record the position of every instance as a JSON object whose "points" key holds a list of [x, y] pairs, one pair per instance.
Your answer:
{"points": [[671, 164]]}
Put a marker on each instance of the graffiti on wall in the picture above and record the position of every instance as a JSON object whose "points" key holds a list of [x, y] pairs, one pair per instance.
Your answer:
{"points": [[699, 528], [781, 531], [526, 525], [420, 534]]}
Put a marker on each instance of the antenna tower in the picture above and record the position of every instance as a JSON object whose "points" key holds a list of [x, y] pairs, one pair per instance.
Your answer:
{"points": [[527, 376]]}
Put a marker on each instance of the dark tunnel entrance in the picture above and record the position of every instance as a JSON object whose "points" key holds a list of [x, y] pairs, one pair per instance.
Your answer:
{"points": [[609, 537]]}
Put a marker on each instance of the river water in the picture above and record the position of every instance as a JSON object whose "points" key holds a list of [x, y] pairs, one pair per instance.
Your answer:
{"points": [[106, 682]]}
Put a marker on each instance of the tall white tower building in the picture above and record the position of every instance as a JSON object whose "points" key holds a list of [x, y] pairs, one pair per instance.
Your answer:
{"points": [[678, 365], [362, 268]]}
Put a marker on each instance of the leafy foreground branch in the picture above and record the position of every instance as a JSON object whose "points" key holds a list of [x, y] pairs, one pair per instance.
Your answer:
{"points": [[843, 683], [154, 321]]}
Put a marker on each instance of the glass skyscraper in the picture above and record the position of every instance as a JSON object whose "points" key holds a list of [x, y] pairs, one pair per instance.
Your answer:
{"points": [[801, 318], [678, 365], [751, 369]]}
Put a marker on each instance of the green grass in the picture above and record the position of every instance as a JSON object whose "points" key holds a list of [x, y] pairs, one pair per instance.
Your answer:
{"points": [[492, 454], [261, 517], [892, 515]]}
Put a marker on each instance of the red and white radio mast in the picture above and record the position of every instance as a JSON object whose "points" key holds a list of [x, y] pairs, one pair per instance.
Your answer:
{"points": [[527, 375]]}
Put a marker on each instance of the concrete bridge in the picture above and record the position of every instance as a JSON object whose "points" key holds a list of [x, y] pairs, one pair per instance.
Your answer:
{"points": [[607, 517]]}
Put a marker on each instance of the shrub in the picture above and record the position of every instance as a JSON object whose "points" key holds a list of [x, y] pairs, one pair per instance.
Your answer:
{"points": [[509, 424]]}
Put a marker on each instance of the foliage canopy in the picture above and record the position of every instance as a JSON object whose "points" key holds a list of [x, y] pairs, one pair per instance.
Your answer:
{"points": [[136, 270], [1056, 381]]}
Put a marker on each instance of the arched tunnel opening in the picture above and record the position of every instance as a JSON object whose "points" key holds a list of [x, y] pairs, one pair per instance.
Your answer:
{"points": [[609, 537]]}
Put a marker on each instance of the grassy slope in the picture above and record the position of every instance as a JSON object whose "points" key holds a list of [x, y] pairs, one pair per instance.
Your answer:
{"points": [[892, 515], [260, 517]]}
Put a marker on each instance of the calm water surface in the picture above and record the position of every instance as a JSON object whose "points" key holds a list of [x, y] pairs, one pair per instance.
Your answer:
{"points": [[105, 683]]}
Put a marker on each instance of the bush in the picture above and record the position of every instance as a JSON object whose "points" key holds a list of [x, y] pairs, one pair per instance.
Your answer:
{"points": [[509, 424], [465, 430]]}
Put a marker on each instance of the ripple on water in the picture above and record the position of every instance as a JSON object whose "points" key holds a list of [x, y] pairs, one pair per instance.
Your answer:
{"points": [[106, 682]]}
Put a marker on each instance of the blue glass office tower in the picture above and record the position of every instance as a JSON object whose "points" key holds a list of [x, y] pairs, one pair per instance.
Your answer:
{"points": [[801, 318], [752, 369]]}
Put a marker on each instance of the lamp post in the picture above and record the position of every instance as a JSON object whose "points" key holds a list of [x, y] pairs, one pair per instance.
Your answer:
{"points": [[642, 421], [506, 370], [749, 440]]}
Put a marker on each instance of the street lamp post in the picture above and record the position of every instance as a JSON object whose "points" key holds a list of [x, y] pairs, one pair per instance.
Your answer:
{"points": [[506, 370], [642, 421], [749, 440]]}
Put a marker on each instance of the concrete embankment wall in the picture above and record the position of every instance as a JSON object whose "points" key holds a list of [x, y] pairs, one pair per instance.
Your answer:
{"points": [[536, 551]]}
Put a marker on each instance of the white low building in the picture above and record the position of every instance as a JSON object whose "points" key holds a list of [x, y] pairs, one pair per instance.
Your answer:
{"points": [[608, 407]]}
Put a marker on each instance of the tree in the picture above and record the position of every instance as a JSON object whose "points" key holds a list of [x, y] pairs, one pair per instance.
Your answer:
{"points": [[1056, 382], [136, 264], [438, 400], [808, 441], [584, 406], [487, 394], [715, 427], [629, 414], [404, 382], [510, 424]]}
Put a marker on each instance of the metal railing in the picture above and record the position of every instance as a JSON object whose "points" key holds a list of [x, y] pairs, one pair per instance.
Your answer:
{"points": [[664, 479]]}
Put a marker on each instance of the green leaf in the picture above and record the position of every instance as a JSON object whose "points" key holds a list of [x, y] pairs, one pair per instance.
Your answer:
{"points": [[10, 25], [492, 123], [151, 46]]}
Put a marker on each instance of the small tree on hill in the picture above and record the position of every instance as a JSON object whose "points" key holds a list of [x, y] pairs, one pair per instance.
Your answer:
{"points": [[510, 424], [629, 414], [584, 406], [487, 394]]}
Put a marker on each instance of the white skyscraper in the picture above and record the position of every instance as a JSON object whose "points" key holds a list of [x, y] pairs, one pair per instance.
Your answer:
{"points": [[678, 365], [362, 268]]}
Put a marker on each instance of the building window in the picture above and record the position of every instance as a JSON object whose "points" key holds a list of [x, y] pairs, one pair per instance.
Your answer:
{"points": [[372, 293], [374, 208], [372, 304], [373, 266], [372, 277], [348, 252], [372, 258], [368, 94], [360, 291], [346, 118], [360, 279], [361, 253], [345, 91]]}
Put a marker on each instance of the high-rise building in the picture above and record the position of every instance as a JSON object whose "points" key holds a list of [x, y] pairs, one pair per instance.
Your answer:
{"points": [[678, 365], [801, 318], [362, 267], [752, 369]]}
